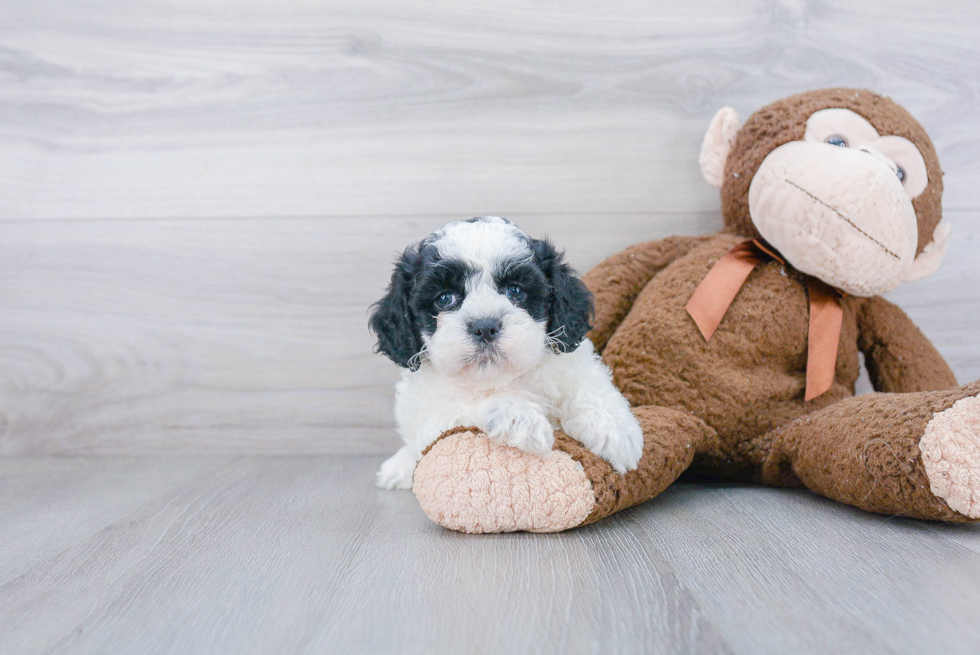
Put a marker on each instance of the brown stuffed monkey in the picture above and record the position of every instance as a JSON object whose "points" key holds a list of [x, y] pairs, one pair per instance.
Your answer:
{"points": [[739, 351]]}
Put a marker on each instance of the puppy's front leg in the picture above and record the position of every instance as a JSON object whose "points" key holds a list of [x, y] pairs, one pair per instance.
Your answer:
{"points": [[396, 471], [610, 431], [517, 422], [593, 411]]}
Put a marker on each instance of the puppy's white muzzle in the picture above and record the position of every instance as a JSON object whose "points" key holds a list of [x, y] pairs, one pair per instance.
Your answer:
{"points": [[486, 338]]}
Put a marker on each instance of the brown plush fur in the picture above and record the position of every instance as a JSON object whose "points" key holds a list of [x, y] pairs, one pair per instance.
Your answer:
{"points": [[748, 382], [867, 453], [734, 406], [673, 439], [750, 378]]}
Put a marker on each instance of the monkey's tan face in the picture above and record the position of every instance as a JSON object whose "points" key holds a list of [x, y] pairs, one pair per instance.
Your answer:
{"points": [[838, 205]]}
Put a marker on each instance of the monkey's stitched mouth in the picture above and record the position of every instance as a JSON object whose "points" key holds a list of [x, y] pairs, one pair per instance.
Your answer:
{"points": [[844, 218]]}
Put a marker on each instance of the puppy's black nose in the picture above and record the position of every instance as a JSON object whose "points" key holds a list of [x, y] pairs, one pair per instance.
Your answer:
{"points": [[486, 329]]}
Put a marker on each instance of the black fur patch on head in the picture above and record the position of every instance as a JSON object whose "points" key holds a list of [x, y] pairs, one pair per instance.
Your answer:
{"points": [[570, 308], [392, 318], [436, 276], [528, 276], [408, 309], [552, 293]]}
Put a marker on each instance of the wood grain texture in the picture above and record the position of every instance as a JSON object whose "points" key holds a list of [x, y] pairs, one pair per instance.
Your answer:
{"points": [[301, 555], [212, 335], [198, 202], [160, 108], [251, 335]]}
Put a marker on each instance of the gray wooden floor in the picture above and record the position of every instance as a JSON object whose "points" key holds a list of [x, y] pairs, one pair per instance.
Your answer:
{"points": [[300, 554]]}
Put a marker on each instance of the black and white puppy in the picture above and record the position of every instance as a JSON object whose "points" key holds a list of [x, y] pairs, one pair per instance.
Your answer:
{"points": [[490, 327]]}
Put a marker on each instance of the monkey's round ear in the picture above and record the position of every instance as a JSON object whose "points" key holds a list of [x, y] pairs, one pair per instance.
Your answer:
{"points": [[718, 142], [932, 255]]}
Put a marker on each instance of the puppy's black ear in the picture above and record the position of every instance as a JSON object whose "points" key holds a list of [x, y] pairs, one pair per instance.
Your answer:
{"points": [[570, 313], [392, 319]]}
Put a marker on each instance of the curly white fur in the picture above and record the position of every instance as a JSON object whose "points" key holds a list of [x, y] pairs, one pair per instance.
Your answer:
{"points": [[520, 392], [573, 391]]}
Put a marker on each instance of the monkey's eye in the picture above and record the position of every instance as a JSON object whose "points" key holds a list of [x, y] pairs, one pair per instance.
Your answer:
{"points": [[900, 172], [837, 140], [446, 301], [515, 293]]}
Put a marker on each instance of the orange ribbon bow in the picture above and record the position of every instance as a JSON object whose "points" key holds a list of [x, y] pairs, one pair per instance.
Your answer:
{"points": [[718, 289]]}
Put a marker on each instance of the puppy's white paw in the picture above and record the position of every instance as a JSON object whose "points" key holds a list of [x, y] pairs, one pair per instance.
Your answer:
{"points": [[614, 435], [625, 447], [519, 424], [397, 471]]}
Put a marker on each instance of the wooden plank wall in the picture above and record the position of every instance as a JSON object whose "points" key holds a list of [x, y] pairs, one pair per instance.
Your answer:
{"points": [[199, 201]]}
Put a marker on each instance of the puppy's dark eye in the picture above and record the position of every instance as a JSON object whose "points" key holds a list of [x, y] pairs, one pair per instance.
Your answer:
{"points": [[446, 301], [900, 172], [837, 140], [515, 293]]}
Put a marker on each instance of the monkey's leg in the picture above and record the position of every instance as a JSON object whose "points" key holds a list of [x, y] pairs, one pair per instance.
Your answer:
{"points": [[911, 454], [466, 482]]}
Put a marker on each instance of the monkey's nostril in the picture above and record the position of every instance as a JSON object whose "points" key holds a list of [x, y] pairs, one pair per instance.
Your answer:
{"points": [[882, 157], [486, 329]]}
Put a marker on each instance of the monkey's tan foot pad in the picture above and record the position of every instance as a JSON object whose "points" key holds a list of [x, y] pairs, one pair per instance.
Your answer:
{"points": [[468, 483], [950, 451]]}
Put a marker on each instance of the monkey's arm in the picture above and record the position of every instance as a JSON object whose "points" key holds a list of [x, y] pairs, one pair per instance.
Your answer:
{"points": [[898, 356], [617, 281]]}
